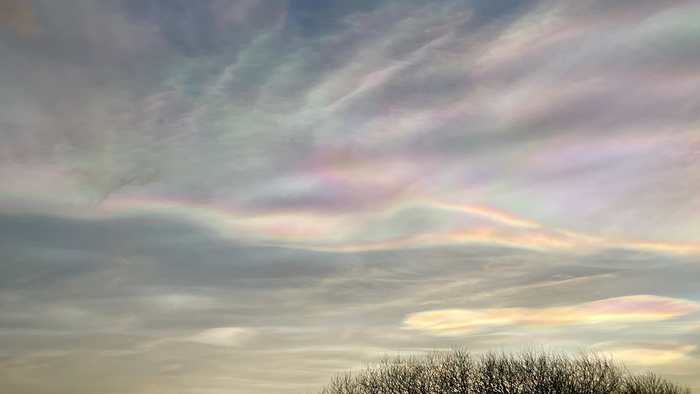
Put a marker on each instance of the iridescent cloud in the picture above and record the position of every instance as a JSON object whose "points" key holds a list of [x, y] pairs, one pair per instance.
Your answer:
{"points": [[198, 174], [430, 223], [628, 309]]}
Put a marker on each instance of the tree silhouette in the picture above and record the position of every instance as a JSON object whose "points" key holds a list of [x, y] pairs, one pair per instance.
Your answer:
{"points": [[528, 372]]}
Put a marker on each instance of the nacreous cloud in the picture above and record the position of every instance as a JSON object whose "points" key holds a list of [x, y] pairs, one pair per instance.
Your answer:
{"points": [[639, 308]]}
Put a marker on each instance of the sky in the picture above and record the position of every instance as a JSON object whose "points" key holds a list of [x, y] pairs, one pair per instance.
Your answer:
{"points": [[249, 196]]}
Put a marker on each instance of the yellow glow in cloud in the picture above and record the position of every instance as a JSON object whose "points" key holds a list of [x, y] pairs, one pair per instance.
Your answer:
{"points": [[668, 247], [223, 336], [483, 236], [646, 353], [614, 310], [486, 212], [652, 356]]}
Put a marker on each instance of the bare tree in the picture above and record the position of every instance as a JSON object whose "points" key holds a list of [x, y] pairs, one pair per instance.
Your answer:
{"points": [[528, 372]]}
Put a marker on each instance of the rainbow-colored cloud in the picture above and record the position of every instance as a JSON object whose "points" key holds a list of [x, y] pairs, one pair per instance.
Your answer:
{"points": [[628, 309]]}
